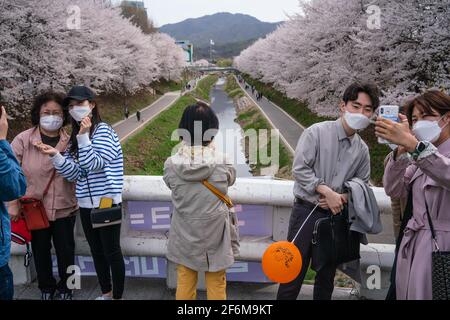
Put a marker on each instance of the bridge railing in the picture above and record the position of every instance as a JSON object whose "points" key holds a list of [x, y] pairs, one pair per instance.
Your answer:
{"points": [[376, 259]]}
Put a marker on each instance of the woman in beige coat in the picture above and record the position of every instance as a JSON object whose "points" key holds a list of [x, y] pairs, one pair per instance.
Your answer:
{"points": [[200, 237]]}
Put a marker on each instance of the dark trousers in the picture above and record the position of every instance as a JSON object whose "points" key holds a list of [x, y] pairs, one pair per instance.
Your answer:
{"points": [[107, 254], [61, 232], [6, 283], [324, 281]]}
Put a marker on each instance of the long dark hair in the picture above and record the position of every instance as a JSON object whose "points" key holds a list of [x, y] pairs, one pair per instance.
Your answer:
{"points": [[96, 119]]}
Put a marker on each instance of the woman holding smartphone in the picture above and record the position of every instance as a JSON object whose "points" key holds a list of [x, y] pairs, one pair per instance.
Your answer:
{"points": [[94, 160], [419, 167]]}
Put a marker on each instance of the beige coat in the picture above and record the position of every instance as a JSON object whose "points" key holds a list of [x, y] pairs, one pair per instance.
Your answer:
{"points": [[60, 200], [199, 236]]}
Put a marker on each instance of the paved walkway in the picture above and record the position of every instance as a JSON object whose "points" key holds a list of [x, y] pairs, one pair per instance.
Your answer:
{"points": [[126, 128], [130, 126], [156, 289], [290, 129], [290, 132]]}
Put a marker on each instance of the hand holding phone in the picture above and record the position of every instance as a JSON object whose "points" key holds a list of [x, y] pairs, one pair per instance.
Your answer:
{"points": [[388, 112]]}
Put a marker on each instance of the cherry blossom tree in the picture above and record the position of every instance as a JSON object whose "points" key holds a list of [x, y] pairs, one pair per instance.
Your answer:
{"points": [[55, 44], [169, 56], [318, 52]]}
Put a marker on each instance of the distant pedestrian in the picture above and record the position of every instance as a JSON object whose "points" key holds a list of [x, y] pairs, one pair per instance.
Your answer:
{"points": [[127, 113], [253, 89], [138, 116]]}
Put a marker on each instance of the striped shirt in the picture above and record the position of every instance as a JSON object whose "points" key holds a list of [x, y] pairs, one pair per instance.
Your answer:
{"points": [[101, 161]]}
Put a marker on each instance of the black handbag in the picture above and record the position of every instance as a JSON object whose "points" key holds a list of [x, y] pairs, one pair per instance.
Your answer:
{"points": [[440, 272], [333, 242], [104, 217]]}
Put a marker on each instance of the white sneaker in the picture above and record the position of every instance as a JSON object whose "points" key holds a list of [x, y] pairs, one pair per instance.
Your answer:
{"points": [[103, 298]]}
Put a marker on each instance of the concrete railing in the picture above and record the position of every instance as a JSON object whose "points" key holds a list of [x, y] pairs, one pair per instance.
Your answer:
{"points": [[276, 194]]}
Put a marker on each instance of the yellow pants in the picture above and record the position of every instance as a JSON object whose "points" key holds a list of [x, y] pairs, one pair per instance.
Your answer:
{"points": [[216, 284]]}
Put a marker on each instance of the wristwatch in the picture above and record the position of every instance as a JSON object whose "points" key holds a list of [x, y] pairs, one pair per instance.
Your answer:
{"points": [[420, 147]]}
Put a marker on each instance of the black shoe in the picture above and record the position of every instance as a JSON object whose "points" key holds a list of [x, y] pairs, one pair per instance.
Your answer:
{"points": [[66, 296], [47, 296]]}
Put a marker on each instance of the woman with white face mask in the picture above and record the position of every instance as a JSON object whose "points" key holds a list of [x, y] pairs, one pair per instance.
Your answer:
{"points": [[94, 161], [48, 119], [420, 168]]}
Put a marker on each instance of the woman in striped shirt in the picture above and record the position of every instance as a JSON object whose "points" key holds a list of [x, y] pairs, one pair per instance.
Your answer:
{"points": [[94, 160]]}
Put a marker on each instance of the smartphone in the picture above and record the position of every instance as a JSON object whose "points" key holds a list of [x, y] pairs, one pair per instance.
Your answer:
{"points": [[388, 112], [106, 203]]}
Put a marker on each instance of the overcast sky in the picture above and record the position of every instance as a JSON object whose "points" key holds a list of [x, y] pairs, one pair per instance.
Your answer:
{"points": [[172, 11]]}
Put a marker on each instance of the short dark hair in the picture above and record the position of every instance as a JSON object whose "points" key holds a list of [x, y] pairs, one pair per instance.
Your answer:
{"points": [[199, 112], [352, 91], [42, 99], [429, 101]]}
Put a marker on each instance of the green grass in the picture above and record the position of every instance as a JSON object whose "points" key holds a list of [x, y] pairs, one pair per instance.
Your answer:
{"points": [[112, 105], [232, 88], [146, 152], [245, 116], [251, 118], [164, 86], [310, 276], [378, 153], [204, 87], [300, 112]]}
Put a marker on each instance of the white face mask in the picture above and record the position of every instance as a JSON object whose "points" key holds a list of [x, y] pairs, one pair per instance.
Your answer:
{"points": [[80, 112], [426, 130], [356, 121], [51, 123]]}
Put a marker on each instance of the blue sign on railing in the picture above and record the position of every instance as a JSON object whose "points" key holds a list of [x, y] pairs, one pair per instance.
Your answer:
{"points": [[154, 216]]}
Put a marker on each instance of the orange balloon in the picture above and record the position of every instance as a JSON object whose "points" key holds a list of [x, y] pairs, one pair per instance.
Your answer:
{"points": [[282, 262]]}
